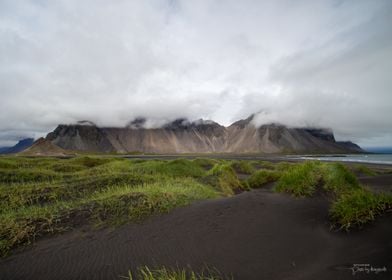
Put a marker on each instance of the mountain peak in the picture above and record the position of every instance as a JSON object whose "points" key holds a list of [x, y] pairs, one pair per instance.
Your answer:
{"points": [[137, 123], [180, 123], [244, 122]]}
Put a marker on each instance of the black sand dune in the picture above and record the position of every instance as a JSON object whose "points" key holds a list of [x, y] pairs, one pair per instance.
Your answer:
{"points": [[254, 235], [380, 183]]}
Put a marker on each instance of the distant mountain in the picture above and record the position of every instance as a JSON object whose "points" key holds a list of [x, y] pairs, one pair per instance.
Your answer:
{"points": [[43, 147], [379, 150], [184, 136], [20, 146]]}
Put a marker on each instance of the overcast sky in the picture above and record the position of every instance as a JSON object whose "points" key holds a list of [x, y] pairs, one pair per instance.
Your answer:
{"points": [[301, 63]]}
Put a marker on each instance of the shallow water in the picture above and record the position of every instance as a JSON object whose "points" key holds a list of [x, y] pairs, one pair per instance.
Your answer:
{"points": [[364, 158]]}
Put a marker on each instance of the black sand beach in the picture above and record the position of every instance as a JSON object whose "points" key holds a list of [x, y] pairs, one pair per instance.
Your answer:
{"points": [[253, 235]]}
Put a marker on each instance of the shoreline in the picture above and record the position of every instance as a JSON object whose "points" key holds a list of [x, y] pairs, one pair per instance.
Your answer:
{"points": [[270, 158], [344, 158]]}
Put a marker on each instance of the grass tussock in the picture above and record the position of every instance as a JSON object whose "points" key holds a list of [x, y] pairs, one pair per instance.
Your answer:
{"points": [[338, 178], [173, 168], [352, 205], [19, 175], [225, 179], [262, 177], [358, 207], [163, 273], [242, 166], [300, 179], [261, 164], [120, 204], [284, 166], [205, 163]]}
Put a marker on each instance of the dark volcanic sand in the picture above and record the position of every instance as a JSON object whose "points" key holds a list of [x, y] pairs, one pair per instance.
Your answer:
{"points": [[254, 235], [380, 183]]}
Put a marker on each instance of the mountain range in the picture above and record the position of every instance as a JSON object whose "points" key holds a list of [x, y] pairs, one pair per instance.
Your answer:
{"points": [[20, 146], [184, 136]]}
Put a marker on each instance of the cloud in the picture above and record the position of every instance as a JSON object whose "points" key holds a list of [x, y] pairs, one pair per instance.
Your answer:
{"points": [[342, 84], [320, 63]]}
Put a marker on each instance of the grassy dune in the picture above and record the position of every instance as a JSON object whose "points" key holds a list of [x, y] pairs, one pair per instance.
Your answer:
{"points": [[351, 204], [43, 196]]}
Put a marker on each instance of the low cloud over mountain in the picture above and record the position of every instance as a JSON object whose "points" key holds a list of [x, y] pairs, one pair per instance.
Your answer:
{"points": [[308, 63]]}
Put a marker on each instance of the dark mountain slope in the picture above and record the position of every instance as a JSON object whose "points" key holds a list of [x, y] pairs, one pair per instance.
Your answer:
{"points": [[20, 146], [183, 136], [81, 137]]}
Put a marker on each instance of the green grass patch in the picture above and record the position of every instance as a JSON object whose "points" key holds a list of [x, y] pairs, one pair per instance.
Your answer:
{"points": [[174, 168], [120, 204], [262, 164], [24, 194], [91, 161], [284, 166], [338, 178], [225, 179], [205, 163], [6, 163], [27, 175], [261, 177], [300, 179], [243, 166], [352, 205], [358, 207], [63, 167]]}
